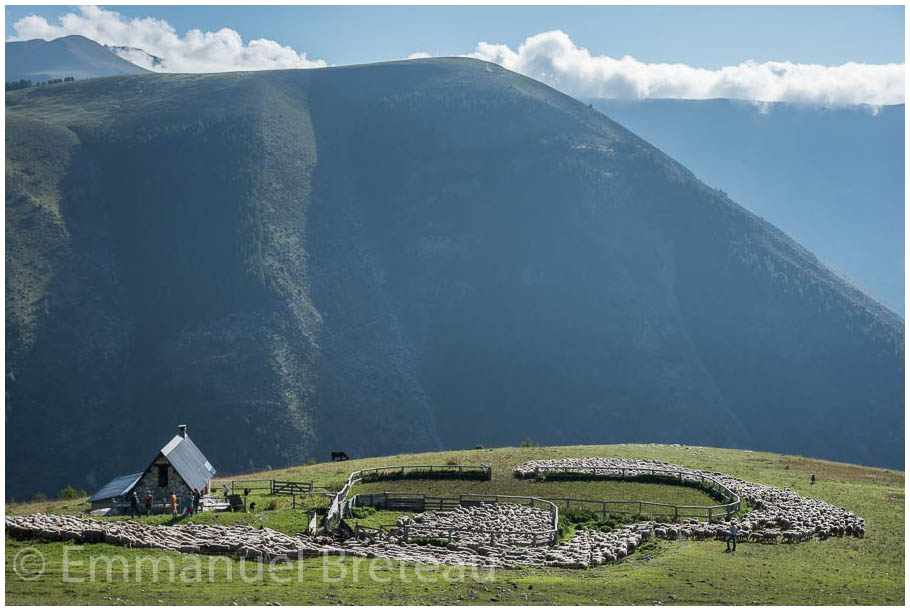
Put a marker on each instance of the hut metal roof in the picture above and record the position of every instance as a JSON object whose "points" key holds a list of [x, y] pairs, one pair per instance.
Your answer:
{"points": [[118, 486], [188, 461]]}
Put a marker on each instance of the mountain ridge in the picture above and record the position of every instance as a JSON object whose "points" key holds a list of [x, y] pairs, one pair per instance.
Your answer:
{"points": [[76, 56], [402, 256]]}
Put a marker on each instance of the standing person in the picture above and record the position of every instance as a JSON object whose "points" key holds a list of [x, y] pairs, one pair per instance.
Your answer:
{"points": [[732, 536], [225, 490], [148, 504], [174, 505], [196, 498], [188, 504], [812, 481], [134, 504]]}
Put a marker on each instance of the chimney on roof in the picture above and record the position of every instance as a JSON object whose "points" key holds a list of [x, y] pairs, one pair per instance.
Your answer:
{"points": [[181, 430]]}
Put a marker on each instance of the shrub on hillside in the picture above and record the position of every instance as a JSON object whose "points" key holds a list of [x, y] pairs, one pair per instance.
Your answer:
{"points": [[68, 493]]}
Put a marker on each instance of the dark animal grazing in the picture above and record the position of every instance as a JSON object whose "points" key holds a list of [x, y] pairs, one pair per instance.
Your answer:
{"points": [[339, 456]]}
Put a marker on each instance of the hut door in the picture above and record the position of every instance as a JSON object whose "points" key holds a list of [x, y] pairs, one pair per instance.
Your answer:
{"points": [[162, 475]]}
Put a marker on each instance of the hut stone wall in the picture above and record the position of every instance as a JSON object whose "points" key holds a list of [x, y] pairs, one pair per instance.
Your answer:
{"points": [[149, 482]]}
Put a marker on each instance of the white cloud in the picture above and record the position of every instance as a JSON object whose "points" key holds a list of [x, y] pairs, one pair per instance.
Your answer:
{"points": [[553, 58], [195, 51]]}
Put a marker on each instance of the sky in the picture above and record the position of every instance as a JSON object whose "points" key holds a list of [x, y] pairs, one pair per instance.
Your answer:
{"points": [[816, 54]]}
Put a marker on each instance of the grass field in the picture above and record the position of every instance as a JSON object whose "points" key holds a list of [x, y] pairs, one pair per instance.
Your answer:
{"points": [[834, 571]]}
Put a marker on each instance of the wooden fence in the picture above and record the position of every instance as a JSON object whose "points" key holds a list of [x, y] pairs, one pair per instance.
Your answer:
{"points": [[275, 488], [291, 488], [340, 503], [418, 502], [731, 505], [237, 487]]}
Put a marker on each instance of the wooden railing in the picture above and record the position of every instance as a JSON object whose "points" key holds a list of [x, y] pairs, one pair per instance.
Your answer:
{"points": [[426, 471], [340, 502], [731, 505], [291, 488], [251, 484], [275, 488]]}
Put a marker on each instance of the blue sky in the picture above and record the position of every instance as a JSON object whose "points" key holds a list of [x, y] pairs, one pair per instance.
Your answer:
{"points": [[841, 55], [705, 37]]}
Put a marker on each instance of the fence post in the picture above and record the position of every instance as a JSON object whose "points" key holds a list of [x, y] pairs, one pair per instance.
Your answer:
{"points": [[639, 508], [603, 506], [676, 513], [710, 512]]}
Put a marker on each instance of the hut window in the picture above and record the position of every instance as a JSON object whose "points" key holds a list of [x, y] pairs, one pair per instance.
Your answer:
{"points": [[162, 475]]}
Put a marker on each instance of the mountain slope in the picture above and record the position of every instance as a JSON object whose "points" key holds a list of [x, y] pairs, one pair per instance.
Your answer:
{"points": [[397, 257], [76, 56], [832, 178]]}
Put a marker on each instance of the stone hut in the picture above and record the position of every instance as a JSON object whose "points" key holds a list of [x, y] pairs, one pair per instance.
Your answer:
{"points": [[178, 467]]}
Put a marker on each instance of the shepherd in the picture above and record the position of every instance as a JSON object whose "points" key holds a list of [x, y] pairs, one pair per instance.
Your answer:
{"points": [[732, 536]]}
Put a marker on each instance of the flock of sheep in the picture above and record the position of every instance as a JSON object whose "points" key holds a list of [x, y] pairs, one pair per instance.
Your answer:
{"points": [[489, 535], [510, 524], [585, 549], [777, 514], [238, 540]]}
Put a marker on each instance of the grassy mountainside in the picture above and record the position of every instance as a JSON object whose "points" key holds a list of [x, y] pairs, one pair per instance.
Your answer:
{"points": [[401, 257], [836, 571], [831, 178]]}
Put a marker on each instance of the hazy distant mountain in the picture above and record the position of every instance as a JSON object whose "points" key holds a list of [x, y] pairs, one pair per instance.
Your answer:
{"points": [[396, 257], [832, 178], [76, 56], [136, 56]]}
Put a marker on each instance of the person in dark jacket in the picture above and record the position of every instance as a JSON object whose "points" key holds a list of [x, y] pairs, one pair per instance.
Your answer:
{"points": [[134, 504], [148, 504], [197, 497]]}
